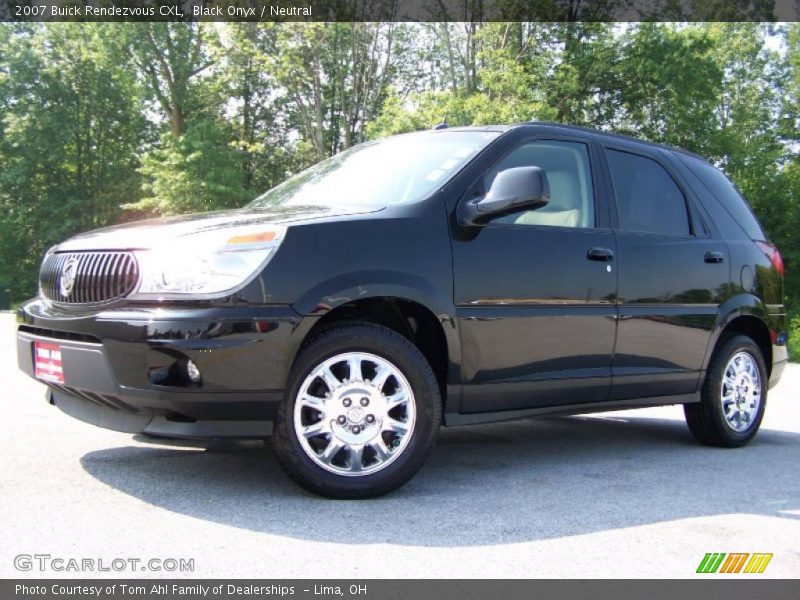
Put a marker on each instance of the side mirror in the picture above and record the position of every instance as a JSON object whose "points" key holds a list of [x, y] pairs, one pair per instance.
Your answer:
{"points": [[519, 188]]}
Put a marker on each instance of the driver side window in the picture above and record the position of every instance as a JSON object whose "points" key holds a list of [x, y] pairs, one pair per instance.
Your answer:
{"points": [[568, 171]]}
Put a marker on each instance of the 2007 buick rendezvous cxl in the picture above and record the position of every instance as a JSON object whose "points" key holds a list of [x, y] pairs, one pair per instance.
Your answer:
{"points": [[454, 276]]}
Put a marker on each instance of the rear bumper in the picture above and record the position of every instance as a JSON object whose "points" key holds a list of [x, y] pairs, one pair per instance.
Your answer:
{"points": [[777, 371], [780, 352], [115, 361]]}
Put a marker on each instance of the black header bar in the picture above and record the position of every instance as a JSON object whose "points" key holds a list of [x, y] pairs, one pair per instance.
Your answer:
{"points": [[400, 10]]}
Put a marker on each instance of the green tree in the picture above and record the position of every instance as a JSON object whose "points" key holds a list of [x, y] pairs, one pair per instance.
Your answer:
{"points": [[334, 77], [170, 57], [71, 135], [262, 132], [667, 81], [194, 166], [584, 81]]}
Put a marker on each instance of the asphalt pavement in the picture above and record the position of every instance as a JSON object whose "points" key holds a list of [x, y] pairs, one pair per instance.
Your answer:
{"points": [[619, 494]]}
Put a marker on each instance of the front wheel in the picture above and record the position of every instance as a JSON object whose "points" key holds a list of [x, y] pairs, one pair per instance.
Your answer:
{"points": [[361, 413], [734, 395]]}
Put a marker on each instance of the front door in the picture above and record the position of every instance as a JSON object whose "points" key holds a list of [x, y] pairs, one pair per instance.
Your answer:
{"points": [[535, 291]]}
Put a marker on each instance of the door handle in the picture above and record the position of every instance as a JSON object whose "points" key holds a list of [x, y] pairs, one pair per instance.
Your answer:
{"points": [[601, 254], [714, 257]]}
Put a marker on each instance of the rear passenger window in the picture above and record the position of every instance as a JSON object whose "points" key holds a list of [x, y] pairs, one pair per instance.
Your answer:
{"points": [[648, 199], [727, 194]]}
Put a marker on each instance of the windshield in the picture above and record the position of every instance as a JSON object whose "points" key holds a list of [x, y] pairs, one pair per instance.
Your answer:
{"points": [[394, 170]]}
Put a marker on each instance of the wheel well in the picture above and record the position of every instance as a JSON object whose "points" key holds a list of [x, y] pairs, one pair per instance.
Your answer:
{"points": [[410, 319], [756, 330]]}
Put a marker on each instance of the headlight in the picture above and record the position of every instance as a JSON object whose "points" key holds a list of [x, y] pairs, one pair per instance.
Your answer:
{"points": [[207, 264]]}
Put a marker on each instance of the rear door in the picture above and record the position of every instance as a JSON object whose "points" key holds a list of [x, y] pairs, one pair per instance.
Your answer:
{"points": [[672, 276], [535, 291]]}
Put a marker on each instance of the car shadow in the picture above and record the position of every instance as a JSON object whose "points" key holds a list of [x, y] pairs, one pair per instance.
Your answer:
{"points": [[489, 484]]}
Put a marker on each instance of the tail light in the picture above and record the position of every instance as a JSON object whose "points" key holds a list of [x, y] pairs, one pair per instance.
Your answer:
{"points": [[773, 254]]}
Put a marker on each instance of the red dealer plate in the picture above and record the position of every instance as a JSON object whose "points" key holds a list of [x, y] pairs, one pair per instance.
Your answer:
{"points": [[47, 362]]}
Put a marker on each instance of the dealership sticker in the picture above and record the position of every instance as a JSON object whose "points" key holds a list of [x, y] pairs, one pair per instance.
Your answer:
{"points": [[47, 359]]}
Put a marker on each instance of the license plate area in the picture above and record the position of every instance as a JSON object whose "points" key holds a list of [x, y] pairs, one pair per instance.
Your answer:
{"points": [[47, 362]]}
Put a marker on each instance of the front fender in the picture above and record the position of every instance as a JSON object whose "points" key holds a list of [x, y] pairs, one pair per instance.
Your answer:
{"points": [[361, 285]]}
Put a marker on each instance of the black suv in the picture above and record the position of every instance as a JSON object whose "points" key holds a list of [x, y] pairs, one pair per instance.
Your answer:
{"points": [[454, 276]]}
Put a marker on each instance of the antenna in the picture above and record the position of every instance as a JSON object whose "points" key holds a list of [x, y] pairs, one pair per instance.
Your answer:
{"points": [[442, 125]]}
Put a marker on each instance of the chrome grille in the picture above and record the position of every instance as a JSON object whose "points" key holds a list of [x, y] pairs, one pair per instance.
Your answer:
{"points": [[99, 276]]}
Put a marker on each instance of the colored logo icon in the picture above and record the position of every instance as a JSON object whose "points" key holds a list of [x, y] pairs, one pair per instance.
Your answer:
{"points": [[737, 562]]}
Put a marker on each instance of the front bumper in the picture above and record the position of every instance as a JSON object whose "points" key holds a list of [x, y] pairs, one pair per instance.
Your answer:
{"points": [[114, 363]]}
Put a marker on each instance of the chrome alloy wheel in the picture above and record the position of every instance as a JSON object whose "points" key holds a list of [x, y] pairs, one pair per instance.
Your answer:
{"points": [[354, 414], [740, 392]]}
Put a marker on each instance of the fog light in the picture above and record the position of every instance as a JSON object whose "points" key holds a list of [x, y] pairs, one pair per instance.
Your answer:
{"points": [[192, 372]]}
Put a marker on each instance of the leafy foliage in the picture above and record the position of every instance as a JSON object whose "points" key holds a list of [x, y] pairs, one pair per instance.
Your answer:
{"points": [[103, 122], [71, 133]]}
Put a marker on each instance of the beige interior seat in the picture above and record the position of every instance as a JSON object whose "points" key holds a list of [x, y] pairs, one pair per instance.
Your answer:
{"points": [[563, 208]]}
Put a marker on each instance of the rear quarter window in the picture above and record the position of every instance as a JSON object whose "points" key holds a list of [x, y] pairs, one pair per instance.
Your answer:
{"points": [[726, 193]]}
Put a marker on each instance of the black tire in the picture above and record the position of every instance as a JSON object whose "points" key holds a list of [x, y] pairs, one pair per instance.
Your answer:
{"points": [[706, 419], [402, 354]]}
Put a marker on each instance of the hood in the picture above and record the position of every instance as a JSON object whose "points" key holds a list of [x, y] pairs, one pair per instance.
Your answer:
{"points": [[141, 235]]}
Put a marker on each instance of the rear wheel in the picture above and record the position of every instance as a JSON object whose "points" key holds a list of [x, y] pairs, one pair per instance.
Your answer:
{"points": [[361, 413], [734, 395]]}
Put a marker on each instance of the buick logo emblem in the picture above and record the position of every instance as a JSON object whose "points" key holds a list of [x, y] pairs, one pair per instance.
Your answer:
{"points": [[68, 275]]}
